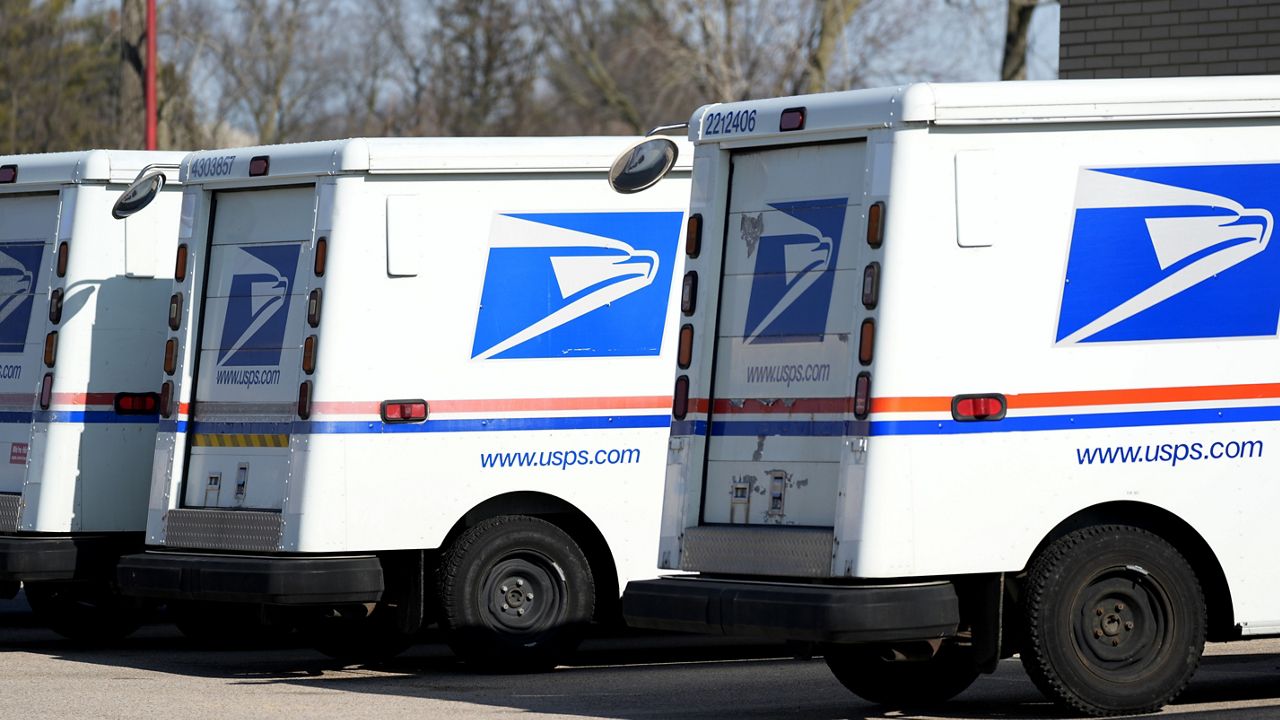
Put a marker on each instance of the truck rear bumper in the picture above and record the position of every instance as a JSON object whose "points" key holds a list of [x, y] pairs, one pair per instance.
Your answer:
{"points": [[786, 611], [36, 558], [270, 580]]}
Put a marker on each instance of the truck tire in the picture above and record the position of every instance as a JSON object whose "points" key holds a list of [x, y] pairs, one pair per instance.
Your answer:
{"points": [[84, 612], [516, 594], [1114, 621], [868, 672]]}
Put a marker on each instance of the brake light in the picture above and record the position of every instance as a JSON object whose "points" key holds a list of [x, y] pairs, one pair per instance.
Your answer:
{"points": [[322, 247], [50, 348], [175, 311], [693, 235], [63, 251], [180, 264], [792, 119], [8, 173], [259, 166], [137, 403], [170, 356], [862, 396], [967, 408], [309, 355], [304, 400], [313, 308], [684, 353], [871, 286], [55, 306], [404, 411], [866, 340], [689, 293], [46, 391], [875, 225], [680, 398], [166, 399]]}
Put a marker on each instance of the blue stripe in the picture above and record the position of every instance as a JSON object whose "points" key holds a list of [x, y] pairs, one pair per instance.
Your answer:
{"points": [[88, 417], [363, 427], [1035, 423]]}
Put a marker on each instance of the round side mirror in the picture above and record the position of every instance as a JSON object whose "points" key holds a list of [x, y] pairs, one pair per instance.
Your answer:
{"points": [[139, 194], [642, 165]]}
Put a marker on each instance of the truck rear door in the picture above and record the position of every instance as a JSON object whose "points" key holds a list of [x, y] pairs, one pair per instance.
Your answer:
{"points": [[249, 347], [786, 343], [28, 224]]}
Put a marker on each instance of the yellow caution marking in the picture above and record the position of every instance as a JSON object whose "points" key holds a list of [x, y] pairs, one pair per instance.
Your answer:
{"points": [[258, 440]]}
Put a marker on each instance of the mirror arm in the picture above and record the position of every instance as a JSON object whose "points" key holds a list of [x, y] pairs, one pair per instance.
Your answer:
{"points": [[665, 128]]}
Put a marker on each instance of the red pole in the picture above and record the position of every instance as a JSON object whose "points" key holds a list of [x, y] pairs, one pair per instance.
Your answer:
{"points": [[151, 74]]}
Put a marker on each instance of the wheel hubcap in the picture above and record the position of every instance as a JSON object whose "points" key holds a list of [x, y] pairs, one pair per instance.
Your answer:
{"points": [[524, 593], [1123, 623]]}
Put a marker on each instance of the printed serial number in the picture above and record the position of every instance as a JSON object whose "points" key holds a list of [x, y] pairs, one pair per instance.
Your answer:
{"points": [[731, 122]]}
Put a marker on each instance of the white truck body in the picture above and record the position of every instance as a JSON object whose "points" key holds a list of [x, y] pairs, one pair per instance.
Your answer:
{"points": [[1068, 319], [498, 284]]}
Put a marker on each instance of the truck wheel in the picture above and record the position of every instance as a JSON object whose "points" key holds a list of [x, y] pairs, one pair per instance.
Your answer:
{"points": [[355, 636], [84, 612], [870, 673], [516, 594], [1115, 621]]}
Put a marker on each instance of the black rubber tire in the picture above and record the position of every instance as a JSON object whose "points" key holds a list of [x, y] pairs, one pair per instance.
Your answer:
{"points": [[868, 672], [354, 636], [84, 612], [1114, 621], [500, 567]]}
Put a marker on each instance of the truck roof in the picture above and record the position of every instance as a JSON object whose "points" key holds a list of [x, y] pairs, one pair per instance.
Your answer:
{"points": [[988, 103], [414, 155], [117, 166]]}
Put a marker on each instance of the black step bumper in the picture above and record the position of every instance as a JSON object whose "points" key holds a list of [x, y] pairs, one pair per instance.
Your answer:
{"points": [[794, 611], [269, 580], [37, 558]]}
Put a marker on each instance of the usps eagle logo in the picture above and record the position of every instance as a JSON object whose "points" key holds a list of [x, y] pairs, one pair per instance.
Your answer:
{"points": [[19, 269], [796, 250], [1172, 253], [576, 285], [258, 306]]}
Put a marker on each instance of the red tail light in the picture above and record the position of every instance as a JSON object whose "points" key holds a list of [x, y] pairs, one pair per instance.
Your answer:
{"points": [[170, 356], [792, 119], [63, 251], [8, 174], [322, 250], [404, 411], [137, 403], [309, 355], [693, 235], [862, 396], [967, 408], [46, 391], [684, 353], [180, 265], [166, 399], [50, 348], [680, 399], [304, 400], [259, 166], [875, 225], [866, 341]]}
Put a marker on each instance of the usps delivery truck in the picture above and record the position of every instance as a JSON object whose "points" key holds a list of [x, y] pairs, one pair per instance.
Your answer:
{"points": [[415, 380], [81, 321], [982, 369]]}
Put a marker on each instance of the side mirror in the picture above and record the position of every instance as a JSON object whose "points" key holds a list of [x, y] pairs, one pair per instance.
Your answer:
{"points": [[642, 165], [140, 193]]}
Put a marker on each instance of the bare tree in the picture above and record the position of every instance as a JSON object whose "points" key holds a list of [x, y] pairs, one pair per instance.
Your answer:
{"points": [[1013, 65]]}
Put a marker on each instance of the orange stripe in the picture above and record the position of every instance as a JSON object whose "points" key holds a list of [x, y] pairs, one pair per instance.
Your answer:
{"points": [[513, 404], [1092, 397]]}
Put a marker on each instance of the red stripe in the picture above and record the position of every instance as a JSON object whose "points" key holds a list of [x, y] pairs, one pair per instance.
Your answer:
{"points": [[649, 402]]}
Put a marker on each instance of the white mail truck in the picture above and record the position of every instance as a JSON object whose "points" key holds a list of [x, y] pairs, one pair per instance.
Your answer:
{"points": [[81, 318], [415, 380], [981, 369]]}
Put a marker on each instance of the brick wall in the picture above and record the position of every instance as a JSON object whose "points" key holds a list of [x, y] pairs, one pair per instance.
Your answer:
{"points": [[1160, 38]]}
